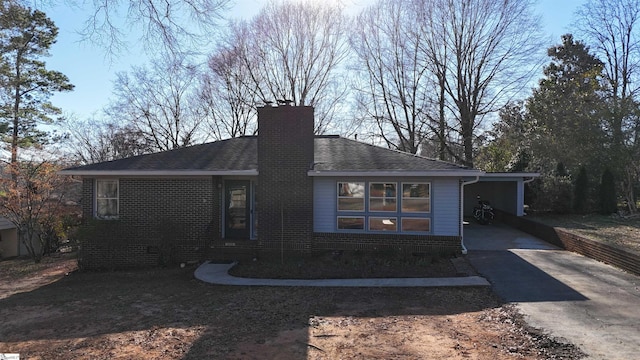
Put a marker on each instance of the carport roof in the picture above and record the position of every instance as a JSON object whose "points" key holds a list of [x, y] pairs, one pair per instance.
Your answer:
{"points": [[511, 176]]}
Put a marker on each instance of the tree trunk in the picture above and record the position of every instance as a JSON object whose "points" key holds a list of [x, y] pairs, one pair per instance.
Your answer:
{"points": [[16, 115]]}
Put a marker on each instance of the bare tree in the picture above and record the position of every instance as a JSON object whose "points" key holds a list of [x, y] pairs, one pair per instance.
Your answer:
{"points": [[159, 103], [437, 67], [226, 98], [612, 27], [292, 51], [396, 87], [492, 43], [96, 140], [170, 25]]}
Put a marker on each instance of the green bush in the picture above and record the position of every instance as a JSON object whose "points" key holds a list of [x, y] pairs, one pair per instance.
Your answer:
{"points": [[608, 199], [581, 192], [554, 194]]}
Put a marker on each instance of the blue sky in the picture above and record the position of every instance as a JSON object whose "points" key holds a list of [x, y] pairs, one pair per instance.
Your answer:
{"points": [[93, 75]]}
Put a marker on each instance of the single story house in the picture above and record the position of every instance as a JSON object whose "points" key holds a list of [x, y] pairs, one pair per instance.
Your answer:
{"points": [[282, 191], [9, 245]]}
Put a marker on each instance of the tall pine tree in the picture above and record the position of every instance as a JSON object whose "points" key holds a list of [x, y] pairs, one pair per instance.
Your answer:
{"points": [[25, 37], [566, 110]]}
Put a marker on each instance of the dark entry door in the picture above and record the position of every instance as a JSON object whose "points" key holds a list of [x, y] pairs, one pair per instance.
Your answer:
{"points": [[237, 209]]}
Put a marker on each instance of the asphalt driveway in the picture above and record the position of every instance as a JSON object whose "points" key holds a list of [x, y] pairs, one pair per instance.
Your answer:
{"points": [[591, 304]]}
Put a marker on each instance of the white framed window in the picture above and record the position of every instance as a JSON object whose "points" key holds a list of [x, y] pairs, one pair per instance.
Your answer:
{"points": [[107, 199], [382, 197], [384, 206], [351, 222], [383, 224], [416, 197], [411, 224], [351, 196]]}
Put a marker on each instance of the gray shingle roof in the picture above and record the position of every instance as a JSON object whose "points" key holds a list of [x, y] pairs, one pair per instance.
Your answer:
{"points": [[232, 154], [332, 154]]}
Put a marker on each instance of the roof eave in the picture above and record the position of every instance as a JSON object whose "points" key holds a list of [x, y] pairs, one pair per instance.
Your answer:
{"points": [[80, 172], [512, 174], [398, 173]]}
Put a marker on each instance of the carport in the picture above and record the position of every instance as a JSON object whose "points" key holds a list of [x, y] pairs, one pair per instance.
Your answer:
{"points": [[504, 191]]}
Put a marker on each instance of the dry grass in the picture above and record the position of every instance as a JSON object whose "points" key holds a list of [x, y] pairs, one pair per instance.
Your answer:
{"points": [[617, 231], [167, 314]]}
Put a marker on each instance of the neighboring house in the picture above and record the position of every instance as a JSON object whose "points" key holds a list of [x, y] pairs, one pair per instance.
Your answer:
{"points": [[283, 191], [9, 245]]}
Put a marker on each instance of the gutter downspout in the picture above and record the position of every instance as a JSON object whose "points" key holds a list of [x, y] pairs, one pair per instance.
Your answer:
{"points": [[462, 185], [528, 180]]}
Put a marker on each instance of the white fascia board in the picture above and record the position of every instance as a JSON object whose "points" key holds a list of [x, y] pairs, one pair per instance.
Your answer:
{"points": [[508, 176], [511, 174], [433, 173], [159, 172]]}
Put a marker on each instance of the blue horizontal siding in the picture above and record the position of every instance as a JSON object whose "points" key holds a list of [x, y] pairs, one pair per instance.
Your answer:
{"points": [[445, 195], [445, 203], [324, 204]]}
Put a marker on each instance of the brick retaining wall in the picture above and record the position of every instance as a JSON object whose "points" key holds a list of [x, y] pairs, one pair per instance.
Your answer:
{"points": [[596, 250]]}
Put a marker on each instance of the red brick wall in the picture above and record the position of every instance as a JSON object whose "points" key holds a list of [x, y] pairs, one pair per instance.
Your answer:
{"points": [[284, 191], [596, 250], [161, 221], [386, 242], [87, 198]]}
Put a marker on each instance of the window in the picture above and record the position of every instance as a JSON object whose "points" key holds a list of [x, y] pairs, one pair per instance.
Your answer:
{"points": [[416, 224], [350, 196], [384, 206], [350, 222], [107, 199], [382, 197], [383, 224], [416, 197]]}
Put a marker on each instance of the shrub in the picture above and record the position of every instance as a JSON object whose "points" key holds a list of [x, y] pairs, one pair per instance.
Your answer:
{"points": [[581, 192], [608, 199]]}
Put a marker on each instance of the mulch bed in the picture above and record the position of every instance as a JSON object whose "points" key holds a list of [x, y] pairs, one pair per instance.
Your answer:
{"points": [[345, 265]]}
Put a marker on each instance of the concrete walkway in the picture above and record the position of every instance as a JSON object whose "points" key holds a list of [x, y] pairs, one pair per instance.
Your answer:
{"points": [[593, 305], [218, 274]]}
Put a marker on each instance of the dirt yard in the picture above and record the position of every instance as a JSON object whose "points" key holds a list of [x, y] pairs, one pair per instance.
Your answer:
{"points": [[51, 312]]}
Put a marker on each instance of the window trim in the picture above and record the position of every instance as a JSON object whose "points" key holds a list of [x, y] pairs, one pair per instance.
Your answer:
{"points": [[364, 222], [395, 218], [402, 198], [402, 230], [364, 196], [398, 214], [117, 198], [394, 198]]}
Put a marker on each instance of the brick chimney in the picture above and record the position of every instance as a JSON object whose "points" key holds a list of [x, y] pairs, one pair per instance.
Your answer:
{"points": [[284, 191]]}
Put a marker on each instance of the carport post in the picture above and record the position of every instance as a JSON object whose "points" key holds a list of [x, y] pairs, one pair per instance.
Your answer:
{"points": [[464, 249]]}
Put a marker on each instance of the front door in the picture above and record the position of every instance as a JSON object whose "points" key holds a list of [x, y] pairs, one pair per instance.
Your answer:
{"points": [[237, 209]]}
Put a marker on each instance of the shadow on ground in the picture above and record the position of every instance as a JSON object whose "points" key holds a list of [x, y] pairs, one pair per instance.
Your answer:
{"points": [[88, 315], [493, 252], [516, 280]]}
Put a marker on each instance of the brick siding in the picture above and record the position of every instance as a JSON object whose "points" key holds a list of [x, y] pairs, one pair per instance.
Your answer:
{"points": [[596, 250], [161, 221], [87, 198], [284, 190], [387, 242], [170, 220]]}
